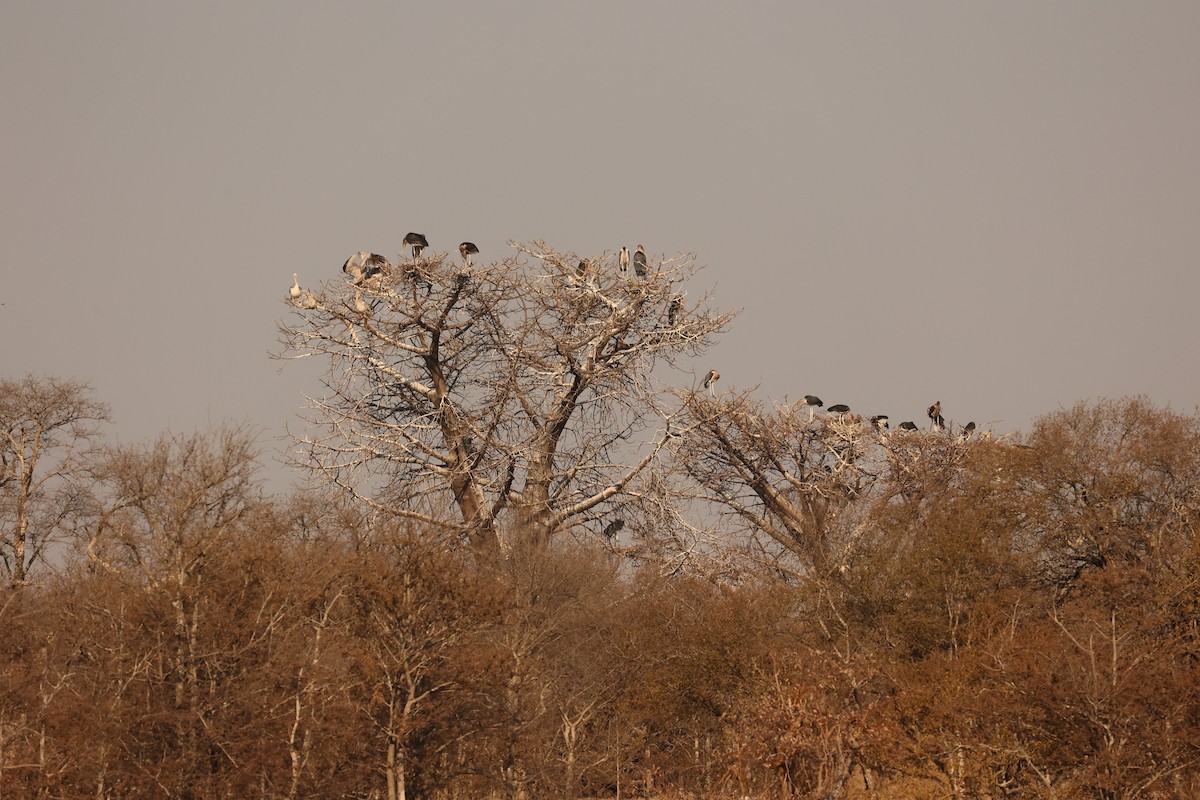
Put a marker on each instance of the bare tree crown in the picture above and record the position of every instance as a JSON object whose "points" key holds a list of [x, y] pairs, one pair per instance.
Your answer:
{"points": [[520, 397]]}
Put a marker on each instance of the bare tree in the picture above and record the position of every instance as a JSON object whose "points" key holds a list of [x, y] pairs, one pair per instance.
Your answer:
{"points": [[805, 496], [46, 427], [169, 509], [788, 485], [525, 397]]}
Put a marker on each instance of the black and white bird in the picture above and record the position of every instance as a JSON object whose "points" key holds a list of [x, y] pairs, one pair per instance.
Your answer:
{"points": [[711, 378], [294, 292], [813, 402], [623, 259], [935, 415], [880, 421], [613, 528], [354, 266], [908, 426], [639, 262], [417, 242], [839, 408], [967, 431], [363, 265], [467, 249]]}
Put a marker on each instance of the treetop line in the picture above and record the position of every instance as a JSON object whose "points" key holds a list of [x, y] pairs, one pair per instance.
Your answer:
{"points": [[523, 394]]}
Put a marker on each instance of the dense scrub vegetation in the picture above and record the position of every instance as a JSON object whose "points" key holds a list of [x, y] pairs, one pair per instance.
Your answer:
{"points": [[762, 603], [1028, 628]]}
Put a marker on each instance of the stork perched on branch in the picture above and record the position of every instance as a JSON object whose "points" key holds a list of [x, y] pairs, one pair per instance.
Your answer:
{"points": [[363, 265], [623, 259], [813, 402], [467, 249], [639, 262], [935, 416], [417, 242], [710, 379]]}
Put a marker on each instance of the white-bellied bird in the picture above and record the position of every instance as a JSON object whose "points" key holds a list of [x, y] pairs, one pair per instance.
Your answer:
{"points": [[935, 415], [711, 378], [813, 402], [467, 249], [295, 290], [363, 265], [623, 259]]}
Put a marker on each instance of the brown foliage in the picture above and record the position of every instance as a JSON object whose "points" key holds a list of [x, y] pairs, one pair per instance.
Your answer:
{"points": [[929, 617]]}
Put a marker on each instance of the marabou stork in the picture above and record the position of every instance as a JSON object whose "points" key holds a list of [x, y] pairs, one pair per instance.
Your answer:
{"points": [[467, 249], [639, 262], [813, 402], [417, 242]]}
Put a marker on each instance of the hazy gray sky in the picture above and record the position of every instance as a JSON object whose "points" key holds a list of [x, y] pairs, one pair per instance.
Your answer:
{"points": [[992, 204]]}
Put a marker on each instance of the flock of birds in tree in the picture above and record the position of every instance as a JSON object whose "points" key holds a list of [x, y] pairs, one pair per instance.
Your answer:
{"points": [[879, 422], [363, 265]]}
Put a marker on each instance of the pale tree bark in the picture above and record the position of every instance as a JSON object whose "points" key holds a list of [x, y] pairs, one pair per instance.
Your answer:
{"points": [[786, 484], [523, 398], [801, 494], [47, 427]]}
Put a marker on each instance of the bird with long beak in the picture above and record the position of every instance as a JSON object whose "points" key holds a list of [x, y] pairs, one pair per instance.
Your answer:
{"points": [[417, 242], [813, 402], [639, 262], [467, 249]]}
